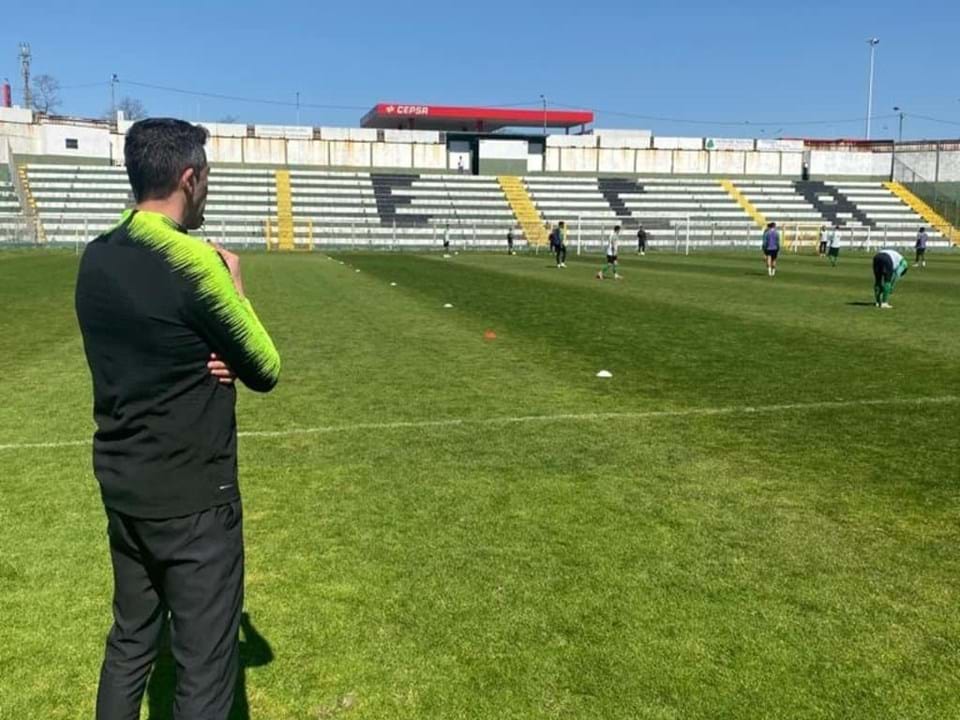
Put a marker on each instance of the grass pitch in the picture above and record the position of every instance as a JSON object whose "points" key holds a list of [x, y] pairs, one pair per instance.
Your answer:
{"points": [[755, 517]]}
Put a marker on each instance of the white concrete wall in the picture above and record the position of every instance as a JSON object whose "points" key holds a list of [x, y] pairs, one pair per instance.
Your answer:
{"points": [[635, 139], [290, 132], [842, 162], [791, 164], [503, 149], [764, 163], [617, 161], [426, 137], [368, 135], [265, 151], [622, 132], [779, 145], [223, 130], [922, 163], [21, 138], [308, 152], [925, 164], [224, 150], [350, 153], [578, 159], [606, 151], [357, 134], [392, 155], [553, 159], [327, 133], [677, 143], [572, 141], [655, 162], [117, 141], [430, 157], [949, 167], [691, 162], [91, 141], [727, 162], [15, 115]]}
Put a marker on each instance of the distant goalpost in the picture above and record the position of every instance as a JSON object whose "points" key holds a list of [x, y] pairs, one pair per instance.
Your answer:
{"points": [[684, 233], [301, 237], [797, 236]]}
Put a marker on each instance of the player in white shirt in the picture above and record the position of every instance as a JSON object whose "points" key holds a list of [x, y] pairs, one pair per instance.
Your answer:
{"points": [[833, 243], [612, 249]]}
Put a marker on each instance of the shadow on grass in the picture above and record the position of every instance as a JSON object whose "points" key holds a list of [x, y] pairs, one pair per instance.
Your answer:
{"points": [[861, 303], [254, 652]]}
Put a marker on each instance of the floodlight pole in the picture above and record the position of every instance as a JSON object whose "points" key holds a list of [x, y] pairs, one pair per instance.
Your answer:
{"points": [[872, 42], [113, 97], [900, 113], [893, 156]]}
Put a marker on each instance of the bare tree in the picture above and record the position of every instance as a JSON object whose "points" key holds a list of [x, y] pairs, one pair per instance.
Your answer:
{"points": [[229, 119], [46, 94], [132, 108]]}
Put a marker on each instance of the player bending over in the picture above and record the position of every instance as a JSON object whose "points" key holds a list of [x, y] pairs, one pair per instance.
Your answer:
{"points": [[888, 267]]}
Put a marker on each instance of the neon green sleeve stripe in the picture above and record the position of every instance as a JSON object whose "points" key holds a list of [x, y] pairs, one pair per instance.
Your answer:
{"points": [[229, 319]]}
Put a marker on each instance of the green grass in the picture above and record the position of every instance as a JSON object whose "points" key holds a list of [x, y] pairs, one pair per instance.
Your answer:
{"points": [[603, 562]]}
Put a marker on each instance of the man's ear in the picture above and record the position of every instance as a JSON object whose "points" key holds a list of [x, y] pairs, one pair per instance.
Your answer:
{"points": [[188, 178]]}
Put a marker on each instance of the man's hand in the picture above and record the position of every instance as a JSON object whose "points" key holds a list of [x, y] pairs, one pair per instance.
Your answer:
{"points": [[233, 263], [220, 370]]}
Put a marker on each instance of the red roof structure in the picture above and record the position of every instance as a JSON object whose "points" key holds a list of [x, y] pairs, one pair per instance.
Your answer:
{"points": [[468, 119]]}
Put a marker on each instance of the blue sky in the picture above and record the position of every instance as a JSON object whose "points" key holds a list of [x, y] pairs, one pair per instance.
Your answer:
{"points": [[724, 69]]}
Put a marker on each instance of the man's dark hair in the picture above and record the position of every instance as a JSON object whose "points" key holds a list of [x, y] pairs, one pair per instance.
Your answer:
{"points": [[157, 151]]}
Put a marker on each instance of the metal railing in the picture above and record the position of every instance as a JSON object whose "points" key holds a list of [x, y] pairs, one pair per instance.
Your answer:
{"points": [[943, 197], [586, 235], [18, 229]]}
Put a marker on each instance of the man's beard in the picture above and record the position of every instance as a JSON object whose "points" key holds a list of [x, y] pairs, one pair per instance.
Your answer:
{"points": [[194, 217]]}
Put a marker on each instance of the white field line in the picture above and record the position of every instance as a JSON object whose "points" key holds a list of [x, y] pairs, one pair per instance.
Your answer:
{"points": [[564, 417]]}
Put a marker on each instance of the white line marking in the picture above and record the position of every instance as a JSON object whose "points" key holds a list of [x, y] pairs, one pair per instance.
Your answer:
{"points": [[567, 417], [44, 445]]}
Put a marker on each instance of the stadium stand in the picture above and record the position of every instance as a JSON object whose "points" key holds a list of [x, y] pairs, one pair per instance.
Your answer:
{"points": [[383, 209], [77, 202], [779, 201], [74, 203], [876, 207], [663, 206], [338, 208], [575, 200], [12, 222], [666, 207], [9, 204], [414, 209], [833, 204]]}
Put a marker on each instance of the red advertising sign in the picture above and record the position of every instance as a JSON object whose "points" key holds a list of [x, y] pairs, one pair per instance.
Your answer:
{"points": [[487, 118]]}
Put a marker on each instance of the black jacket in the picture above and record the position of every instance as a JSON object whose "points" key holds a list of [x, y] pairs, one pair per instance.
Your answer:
{"points": [[153, 303]]}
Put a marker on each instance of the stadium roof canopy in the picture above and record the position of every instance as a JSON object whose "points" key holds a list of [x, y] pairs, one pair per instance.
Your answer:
{"points": [[469, 119]]}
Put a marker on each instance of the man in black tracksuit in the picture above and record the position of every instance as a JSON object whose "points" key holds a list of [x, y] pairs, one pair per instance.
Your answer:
{"points": [[166, 330], [641, 240]]}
